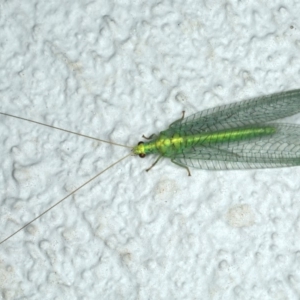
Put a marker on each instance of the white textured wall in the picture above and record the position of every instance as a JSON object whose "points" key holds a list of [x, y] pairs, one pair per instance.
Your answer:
{"points": [[117, 70]]}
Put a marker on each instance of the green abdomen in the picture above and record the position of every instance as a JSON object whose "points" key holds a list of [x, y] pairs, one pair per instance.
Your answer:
{"points": [[168, 146]]}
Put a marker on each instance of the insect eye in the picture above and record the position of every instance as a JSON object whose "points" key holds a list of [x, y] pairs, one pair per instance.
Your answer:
{"points": [[142, 155], [140, 143]]}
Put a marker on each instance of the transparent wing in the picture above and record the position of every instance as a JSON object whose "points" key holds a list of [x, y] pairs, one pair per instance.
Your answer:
{"points": [[258, 110], [281, 149]]}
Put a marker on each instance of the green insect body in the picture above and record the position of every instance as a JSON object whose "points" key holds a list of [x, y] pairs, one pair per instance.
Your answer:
{"points": [[234, 136], [177, 143]]}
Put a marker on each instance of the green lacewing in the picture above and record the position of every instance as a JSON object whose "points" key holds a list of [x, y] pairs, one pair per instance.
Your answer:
{"points": [[235, 136], [241, 135]]}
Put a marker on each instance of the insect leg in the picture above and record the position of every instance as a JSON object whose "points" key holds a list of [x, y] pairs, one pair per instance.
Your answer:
{"points": [[154, 163], [183, 112], [181, 165], [150, 137]]}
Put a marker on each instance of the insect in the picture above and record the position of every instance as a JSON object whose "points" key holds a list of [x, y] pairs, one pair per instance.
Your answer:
{"points": [[235, 136]]}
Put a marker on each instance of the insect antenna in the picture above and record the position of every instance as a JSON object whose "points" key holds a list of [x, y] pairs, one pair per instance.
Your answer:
{"points": [[64, 198], [65, 130]]}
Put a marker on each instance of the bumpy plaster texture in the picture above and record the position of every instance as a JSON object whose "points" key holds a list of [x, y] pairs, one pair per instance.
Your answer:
{"points": [[117, 70]]}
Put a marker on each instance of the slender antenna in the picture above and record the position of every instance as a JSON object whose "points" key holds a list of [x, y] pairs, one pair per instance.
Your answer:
{"points": [[65, 130], [58, 202]]}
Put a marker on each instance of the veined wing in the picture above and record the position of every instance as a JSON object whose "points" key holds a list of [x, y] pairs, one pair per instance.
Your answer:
{"points": [[281, 149], [258, 110]]}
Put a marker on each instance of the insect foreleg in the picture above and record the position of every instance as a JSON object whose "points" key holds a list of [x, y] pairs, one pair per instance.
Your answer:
{"points": [[154, 163], [150, 137]]}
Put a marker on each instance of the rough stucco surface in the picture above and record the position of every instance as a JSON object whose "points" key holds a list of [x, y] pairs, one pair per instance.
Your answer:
{"points": [[117, 70]]}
